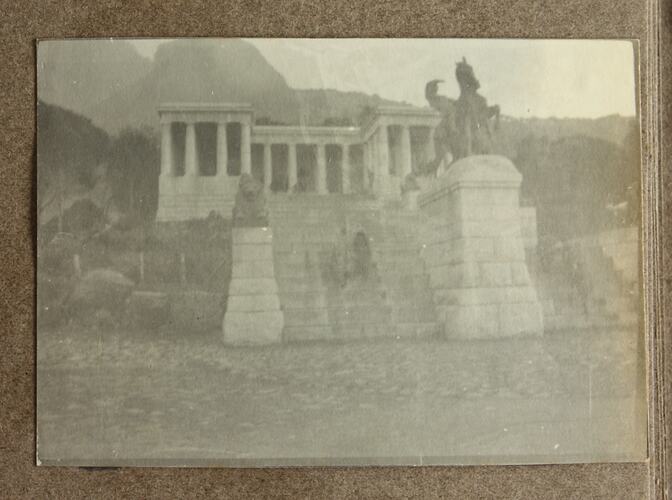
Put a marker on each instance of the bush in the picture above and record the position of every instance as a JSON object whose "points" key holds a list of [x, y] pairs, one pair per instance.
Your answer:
{"points": [[100, 290]]}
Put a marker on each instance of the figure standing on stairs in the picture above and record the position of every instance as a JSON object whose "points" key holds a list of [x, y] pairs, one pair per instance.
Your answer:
{"points": [[361, 256]]}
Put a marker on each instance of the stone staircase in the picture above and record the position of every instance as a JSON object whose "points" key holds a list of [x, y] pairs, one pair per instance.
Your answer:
{"points": [[321, 296], [581, 286]]}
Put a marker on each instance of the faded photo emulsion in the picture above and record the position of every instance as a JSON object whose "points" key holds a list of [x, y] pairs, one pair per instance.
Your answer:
{"points": [[260, 252]]}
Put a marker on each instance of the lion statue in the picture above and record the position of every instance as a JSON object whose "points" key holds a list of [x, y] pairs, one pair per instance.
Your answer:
{"points": [[250, 207]]}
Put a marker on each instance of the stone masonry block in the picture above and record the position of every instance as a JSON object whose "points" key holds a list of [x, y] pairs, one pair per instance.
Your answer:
{"points": [[472, 249], [470, 296], [488, 228], [495, 274], [520, 274], [251, 251], [436, 254], [253, 286], [244, 235], [462, 275], [508, 249], [507, 213], [253, 303], [307, 317], [516, 294], [489, 196], [253, 269]]}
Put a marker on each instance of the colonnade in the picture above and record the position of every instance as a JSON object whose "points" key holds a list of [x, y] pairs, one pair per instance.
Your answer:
{"points": [[191, 167], [380, 160]]}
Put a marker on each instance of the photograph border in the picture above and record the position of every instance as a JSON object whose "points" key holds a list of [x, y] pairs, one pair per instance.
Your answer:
{"points": [[571, 19]]}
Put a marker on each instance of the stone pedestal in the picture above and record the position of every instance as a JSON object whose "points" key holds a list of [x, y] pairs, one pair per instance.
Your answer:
{"points": [[474, 253], [253, 314]]}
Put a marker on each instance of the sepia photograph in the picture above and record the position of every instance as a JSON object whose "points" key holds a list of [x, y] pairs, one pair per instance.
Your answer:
{"points": [[271, 252]]}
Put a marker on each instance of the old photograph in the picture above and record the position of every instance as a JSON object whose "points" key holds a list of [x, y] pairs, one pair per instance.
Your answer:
{"points": [[269, 252]]}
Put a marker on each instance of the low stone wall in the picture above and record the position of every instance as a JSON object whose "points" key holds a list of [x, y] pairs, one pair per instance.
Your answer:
{"points": [[189, 197]]}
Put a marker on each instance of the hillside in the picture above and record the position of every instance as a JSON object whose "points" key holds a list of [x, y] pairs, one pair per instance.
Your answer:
{"points": [[320, 106], [513, 131]]}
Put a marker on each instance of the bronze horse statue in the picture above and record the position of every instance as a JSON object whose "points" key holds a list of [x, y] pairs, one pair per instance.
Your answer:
{"points": [[465, 127]]}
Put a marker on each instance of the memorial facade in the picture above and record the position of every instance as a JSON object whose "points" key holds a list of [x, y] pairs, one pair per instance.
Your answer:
{"points": [[206, 147]]}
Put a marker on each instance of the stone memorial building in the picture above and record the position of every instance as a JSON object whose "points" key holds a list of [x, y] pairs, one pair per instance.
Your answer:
{"points": [[353, 256], [350, 251]]}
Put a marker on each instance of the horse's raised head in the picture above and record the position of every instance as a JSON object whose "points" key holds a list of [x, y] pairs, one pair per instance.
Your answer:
{"points": [[432, 88]]}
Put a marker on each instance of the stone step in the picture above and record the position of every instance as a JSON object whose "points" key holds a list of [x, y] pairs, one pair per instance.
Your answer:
{"points": [[410, 330], [302, 300], [290, 284], [402, 267], [370, 330], [405, 281], [307, 317], [409, 314], [359, 315]]}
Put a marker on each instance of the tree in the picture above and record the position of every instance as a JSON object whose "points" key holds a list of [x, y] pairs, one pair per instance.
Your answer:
{"points": [[69, 149], [133, 171]]}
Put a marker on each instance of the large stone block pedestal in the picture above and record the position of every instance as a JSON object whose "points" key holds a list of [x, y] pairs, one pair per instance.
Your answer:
{"points": [[474, 253], [253, 314]]}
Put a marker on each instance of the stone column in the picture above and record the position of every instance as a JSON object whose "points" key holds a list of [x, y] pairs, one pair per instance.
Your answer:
{"points": [[429, 145], [291, 167], [268, 167], [368, 164], [382, 171], [166, 149], [222, 149], [245, 149], [321, 174], [345, 169], [474, 251], [190, 155], [406, 166]]}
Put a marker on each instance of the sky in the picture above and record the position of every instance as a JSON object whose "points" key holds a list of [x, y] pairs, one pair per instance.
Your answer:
{"points": [[540, 78]]}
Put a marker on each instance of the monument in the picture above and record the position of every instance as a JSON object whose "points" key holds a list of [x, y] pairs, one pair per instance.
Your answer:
{"points": [[473, 248], [465, 272], [253, 314]]}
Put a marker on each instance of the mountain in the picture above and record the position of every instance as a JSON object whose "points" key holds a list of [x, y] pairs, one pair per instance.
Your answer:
{"points": [[79, 74], [117, 88], [512, 131], [200, 71]]}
